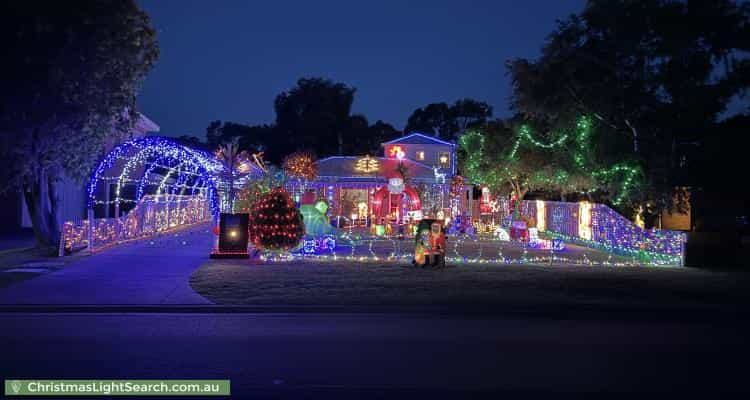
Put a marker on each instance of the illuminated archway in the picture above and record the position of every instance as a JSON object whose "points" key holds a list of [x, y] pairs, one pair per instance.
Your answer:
{"points": [[154, 166]]}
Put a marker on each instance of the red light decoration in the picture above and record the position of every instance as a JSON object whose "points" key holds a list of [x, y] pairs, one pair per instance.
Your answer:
{"points": [[275, 223], [397, 151], [301, 165], [457, 186]]}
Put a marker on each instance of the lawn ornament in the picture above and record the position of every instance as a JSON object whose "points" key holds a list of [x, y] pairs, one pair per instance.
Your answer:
{"points": [[430, 243]]}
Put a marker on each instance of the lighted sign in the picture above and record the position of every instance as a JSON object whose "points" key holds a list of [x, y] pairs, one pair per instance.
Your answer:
{"points": [[367, 164]]}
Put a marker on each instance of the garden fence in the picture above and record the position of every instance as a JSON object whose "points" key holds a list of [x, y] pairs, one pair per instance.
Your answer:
{"points": [[154, 214]]}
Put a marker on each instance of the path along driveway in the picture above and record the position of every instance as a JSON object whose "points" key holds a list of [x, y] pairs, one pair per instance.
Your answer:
{"points": [[144, 272]]}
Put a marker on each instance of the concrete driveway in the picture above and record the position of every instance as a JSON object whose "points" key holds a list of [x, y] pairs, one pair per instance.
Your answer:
{"points": [[149, 271]]}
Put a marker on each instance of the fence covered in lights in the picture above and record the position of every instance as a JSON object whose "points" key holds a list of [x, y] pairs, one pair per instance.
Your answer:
{"points": [[555, 225], [152, 215], [146, 186], [598, 226]]}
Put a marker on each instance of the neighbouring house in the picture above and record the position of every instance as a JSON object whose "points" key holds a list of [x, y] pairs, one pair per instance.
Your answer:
{"points": [[408, 181], [72, 193]]}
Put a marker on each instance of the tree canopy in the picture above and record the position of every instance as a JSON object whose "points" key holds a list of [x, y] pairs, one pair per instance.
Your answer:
{"points": [[447, 122], [655, 75], [314, 115], [71, 77]]}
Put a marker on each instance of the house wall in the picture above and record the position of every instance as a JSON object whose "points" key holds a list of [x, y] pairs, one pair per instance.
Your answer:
{"points": [[431, 153]]}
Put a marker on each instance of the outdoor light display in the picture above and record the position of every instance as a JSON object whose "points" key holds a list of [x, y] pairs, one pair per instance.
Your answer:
{"points": [[301, 165], [315, 219], [152, 215], [158, 185], [233, 235], [323, 244], [581, 148], [367, 165], [275, 223], [584, 220], [457, 187], [541, 216], [397, 152], [182, 171]]}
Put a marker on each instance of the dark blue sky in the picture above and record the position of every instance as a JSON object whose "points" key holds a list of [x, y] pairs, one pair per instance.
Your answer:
{"points": [[228, 60]]}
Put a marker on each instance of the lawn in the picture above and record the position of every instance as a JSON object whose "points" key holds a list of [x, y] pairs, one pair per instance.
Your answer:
{"points": [[350, 283], [18, 265]]}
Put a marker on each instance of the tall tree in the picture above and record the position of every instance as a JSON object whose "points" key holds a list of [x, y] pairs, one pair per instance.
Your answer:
{"points": [[435, 119], [504, 157], [233, 159], [378, 133], [655, 75], [71, 73], [448, 121], [250, 138], [469, 113], [315, 115]]}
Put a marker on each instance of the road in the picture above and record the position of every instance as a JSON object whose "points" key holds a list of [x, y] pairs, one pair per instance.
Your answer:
{"points": [[392, 354]]}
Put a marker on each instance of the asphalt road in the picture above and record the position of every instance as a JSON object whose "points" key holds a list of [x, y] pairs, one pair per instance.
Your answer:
{"points": [[387, 354]]}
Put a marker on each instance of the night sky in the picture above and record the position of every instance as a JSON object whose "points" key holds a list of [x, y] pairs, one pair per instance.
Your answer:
{"points": [[228, 60]]}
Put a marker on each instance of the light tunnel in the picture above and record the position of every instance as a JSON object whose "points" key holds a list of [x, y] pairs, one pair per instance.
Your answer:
{"points": [[153, 167]]}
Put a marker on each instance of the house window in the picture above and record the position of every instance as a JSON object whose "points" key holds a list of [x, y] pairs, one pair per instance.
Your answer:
{"points": [[444, 159], [420, 155]]}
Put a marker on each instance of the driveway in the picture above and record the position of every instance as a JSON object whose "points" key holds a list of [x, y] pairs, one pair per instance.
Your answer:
{"points": [[148, 271]]}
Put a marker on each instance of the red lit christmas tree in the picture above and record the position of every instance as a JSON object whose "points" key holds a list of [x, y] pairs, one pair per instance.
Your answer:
{"points": [[275, 223]]}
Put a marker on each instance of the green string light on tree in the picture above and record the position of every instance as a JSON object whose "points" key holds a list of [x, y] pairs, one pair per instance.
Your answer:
{"points": [[473, 145]]}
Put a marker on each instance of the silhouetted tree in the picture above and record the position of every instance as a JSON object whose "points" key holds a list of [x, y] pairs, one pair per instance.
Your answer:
{"points": [[654, 74], [447, 122], [71, 72], [435, 119], [315, 115], [469, 113]]}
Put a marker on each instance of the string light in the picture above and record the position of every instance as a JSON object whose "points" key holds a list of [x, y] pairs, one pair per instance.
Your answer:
{"points": [[276, 223], [301, 165], [152, 215], [367, 165], [153, 152], [472, 143]]}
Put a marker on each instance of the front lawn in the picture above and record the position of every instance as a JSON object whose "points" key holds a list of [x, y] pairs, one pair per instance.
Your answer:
{"points": [[351, 283]]}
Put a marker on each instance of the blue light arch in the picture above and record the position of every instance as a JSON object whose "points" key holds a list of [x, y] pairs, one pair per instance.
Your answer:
{"points": [[133, 165]]}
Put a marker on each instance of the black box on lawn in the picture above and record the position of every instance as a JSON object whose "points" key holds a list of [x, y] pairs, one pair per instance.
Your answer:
{"points": [[233, 234]]}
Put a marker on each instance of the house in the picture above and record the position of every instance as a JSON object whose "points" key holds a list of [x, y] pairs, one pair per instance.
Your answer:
{"points": [[409, 180]]}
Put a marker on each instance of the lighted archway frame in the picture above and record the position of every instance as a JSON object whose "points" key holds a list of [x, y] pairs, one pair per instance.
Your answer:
{"points": [[135, 162]]}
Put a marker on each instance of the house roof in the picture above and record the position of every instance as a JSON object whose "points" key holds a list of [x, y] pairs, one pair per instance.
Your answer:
{"points": [[343, 169], [418, 138]]}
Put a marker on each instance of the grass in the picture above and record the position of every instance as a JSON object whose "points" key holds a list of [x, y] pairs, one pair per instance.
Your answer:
{"points": [[241, 282]]}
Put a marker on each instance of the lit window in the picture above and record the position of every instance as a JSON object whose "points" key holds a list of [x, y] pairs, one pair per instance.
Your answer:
{"points": [[444, 158], [420, 155]]}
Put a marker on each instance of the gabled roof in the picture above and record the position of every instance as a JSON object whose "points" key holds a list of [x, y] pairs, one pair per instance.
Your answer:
{"points": [[418, 138], [342, 169]]}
